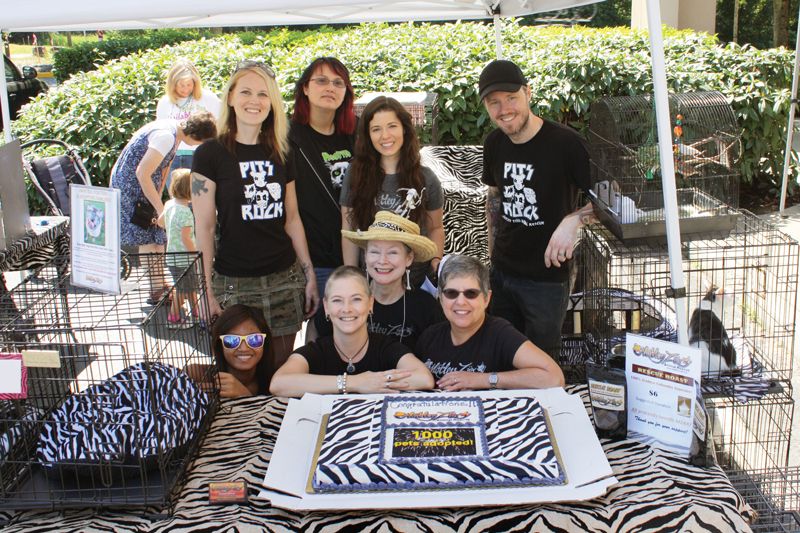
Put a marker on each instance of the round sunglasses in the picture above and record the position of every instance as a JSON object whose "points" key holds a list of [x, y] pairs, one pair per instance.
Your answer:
{"points": [[469, 294], [253, 340]]}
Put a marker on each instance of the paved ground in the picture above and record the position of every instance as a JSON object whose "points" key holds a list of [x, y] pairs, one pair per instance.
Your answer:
{"points": [[790, 224]]}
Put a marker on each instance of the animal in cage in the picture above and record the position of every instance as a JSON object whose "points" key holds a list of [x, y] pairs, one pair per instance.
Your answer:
{"points": [[707, 332], [625, 162]]}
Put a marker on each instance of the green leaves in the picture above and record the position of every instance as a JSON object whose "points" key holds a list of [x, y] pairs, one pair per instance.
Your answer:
{"points": [[568, 69]]}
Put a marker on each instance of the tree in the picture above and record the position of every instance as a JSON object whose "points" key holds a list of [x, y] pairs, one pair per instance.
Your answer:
{"points": [[780, 23]]}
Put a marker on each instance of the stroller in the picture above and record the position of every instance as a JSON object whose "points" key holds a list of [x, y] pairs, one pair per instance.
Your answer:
{"points": [[52, 176]]}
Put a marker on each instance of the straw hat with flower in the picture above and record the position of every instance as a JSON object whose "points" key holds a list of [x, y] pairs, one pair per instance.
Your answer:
{"points": [[391, 227]]}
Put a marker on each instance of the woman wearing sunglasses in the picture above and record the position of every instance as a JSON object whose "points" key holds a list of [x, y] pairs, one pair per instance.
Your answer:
{"points": [[239, 180], [473, 350], [352, 359], [241, 337], [391, 245], [321, 138]]}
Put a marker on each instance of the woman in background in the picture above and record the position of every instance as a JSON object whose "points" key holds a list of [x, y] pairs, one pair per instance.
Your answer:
{"points": [[184, 94], [386, 175], [322, 139], [240, 180]]}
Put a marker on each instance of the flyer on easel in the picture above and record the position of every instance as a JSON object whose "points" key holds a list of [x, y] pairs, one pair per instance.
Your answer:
{"points": [[95, 238], [662, 378]]}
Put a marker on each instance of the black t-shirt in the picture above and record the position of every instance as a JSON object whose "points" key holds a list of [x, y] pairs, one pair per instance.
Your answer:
{"points": [[405, 326], [383, 353], [251, 189], [539, 182], [318, 164], [490, 349]]}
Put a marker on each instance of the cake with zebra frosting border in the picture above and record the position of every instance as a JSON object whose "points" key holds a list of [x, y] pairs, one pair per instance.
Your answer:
{"points": [[434, 442]]}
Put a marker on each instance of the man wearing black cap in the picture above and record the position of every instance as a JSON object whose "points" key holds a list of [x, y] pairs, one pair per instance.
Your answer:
{"points": [[535, 169]]}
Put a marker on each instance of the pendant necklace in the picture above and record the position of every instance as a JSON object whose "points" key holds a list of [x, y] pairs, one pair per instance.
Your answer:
{"points": [[351, 368]]}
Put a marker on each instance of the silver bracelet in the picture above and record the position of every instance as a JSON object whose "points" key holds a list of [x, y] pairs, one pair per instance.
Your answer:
{"points": [[340, 384], [344, 383]]}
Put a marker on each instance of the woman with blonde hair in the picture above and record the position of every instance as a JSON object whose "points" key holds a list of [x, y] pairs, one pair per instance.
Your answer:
{"points": [[183, 95], [239, 180]]}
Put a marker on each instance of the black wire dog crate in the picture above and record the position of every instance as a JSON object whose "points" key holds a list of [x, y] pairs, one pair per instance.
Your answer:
{"points": [[755, 269], [774, 494], [627, 171], [111, 417]]}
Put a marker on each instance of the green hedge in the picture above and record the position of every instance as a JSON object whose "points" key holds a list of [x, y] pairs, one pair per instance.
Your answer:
{"points": [[87, 56], [568, 69]]}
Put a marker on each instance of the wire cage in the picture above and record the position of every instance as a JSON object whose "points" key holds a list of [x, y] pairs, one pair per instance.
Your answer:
{"points": [[774, 494], [422, 106], [755, 435], [753, 274], [111, 416], [626, 167]]}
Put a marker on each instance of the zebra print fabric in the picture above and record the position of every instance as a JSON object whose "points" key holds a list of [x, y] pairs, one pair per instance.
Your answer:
{"points": [[657, 492], [459, 169], [514, 450]]}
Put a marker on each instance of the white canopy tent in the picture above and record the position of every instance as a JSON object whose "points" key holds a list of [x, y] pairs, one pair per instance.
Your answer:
{"points": [[53, 15]]}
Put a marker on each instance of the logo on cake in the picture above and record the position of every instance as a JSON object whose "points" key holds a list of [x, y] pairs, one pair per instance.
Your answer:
{"points": [[427, 415]]}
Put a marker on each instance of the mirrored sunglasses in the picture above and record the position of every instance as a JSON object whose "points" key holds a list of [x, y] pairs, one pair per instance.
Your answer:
{"points": [[254, 63], [324, 81], [254, 340], [469, 294]]}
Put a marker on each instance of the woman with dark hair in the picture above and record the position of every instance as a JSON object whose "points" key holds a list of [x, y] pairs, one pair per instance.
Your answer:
{"points": [[140, 174], [241, 340], [321, 140], [352, 359], [240, 180], [386, 175]]}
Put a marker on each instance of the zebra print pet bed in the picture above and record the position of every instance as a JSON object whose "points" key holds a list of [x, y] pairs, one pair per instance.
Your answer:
{"points": [[145, 411], [657, 492]]}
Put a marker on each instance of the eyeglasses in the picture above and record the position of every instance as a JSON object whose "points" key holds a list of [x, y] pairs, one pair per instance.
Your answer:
{"points": [[254, 340], [324, 81], [469, 294], [253, 63]]}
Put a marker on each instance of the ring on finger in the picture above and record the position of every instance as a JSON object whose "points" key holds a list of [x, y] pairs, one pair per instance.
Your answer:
{"points": [[388, 377]]}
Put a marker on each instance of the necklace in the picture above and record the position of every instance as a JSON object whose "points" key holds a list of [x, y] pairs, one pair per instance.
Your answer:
{"points": [[350, 366]]}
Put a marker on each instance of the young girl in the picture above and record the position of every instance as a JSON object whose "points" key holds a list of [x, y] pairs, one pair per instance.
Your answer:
{"points": [[386, 175], [178, 221]]}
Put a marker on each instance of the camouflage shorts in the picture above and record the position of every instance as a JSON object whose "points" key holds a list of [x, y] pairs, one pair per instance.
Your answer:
{"points": [[280, 295]]}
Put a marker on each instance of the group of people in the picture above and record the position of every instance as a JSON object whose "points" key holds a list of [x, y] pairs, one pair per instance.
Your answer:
{"points": [[333, 209]]}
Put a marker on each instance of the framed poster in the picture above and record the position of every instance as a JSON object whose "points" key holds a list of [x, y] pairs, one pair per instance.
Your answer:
{"points": [[95, 238]]}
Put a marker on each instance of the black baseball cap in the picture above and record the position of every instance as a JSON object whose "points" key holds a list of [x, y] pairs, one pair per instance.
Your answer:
{"points": [[500, 75]]}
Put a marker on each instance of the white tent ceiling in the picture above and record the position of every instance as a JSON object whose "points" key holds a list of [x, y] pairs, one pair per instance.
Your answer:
{"points": [[60, 15]]}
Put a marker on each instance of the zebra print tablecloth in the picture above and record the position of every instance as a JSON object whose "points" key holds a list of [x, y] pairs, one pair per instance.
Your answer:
{"points": [[656, 492], [48, 237]]}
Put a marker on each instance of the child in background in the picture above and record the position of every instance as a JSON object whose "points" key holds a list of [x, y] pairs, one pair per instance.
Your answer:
{"points": [[178, 220]]}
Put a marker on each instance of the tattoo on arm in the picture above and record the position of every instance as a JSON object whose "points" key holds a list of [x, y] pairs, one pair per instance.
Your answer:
{"points": [[198, 185], [493, 206]]}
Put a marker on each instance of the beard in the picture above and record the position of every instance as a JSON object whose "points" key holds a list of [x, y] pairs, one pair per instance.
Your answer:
{"points": [[514, 131]]}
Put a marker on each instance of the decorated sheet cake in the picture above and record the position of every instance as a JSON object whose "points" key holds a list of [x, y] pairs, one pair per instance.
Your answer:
{"points": [[434, 442]]}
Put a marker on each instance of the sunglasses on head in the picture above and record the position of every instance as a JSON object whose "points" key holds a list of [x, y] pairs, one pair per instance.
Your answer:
{"points": [[253, 63], [254, 340], [469, 294]]}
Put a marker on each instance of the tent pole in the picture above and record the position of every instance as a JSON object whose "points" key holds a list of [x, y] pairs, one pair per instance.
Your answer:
{"points": [[667, 168], [6, 113], [787, 156], [498, 36]]}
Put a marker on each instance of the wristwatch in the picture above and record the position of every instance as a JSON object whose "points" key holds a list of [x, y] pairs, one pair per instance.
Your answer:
{"points": [[493, 380]]}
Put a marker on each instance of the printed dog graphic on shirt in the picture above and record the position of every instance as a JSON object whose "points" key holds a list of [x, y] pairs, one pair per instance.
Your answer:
{"points": [[519, 201], [263, 199]]}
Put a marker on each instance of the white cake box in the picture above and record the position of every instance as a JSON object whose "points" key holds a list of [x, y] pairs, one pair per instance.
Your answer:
{"points": [[588, 473]]}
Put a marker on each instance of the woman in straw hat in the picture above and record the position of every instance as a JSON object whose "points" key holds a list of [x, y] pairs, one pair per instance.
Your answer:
{"points": [[352, 359], [473, 350], [391, 245]]}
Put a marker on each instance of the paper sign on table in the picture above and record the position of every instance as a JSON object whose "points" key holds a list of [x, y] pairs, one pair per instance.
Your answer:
{"points": [[13, 377], [661, 391]]}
